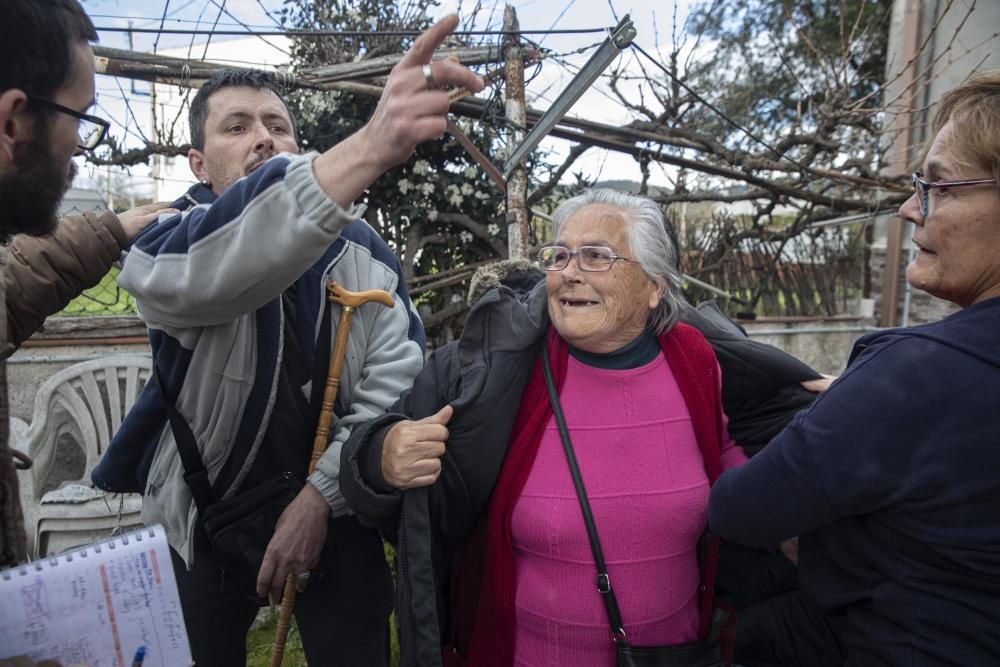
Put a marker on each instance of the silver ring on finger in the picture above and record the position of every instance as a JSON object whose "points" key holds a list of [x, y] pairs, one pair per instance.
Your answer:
{"points": [[303, 576], [428, 76]]}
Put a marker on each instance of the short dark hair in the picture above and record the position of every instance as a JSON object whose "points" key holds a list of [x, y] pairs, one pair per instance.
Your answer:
{"points": [[229, 78], [37, 38]]}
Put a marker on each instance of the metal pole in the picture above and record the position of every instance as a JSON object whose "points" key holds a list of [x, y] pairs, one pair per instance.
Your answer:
{"points": [[517, 180], [911, 253], [620, 37], [899, 161]]}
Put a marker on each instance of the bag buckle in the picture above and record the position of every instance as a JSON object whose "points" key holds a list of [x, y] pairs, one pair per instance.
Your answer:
{"points": [[603, 583], [619, 638]]}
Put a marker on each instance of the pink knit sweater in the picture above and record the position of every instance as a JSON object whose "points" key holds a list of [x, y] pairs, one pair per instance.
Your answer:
{"points": [[648, 490]]}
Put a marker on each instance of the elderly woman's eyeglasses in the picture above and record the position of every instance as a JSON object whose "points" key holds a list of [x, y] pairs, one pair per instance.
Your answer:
{"points": [[923, 188], [92, 129], [588, 257]]}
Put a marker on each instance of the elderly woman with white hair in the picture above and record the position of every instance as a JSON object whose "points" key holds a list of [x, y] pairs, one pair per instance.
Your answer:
{"points": [[495, 563]]}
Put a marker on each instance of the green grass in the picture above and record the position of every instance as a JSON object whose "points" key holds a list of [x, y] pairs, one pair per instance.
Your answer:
{"points": [[260, 637], [259, 643]]}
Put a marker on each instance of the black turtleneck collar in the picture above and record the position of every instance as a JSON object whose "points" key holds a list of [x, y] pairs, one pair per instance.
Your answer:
{"points": [[642, 350]]}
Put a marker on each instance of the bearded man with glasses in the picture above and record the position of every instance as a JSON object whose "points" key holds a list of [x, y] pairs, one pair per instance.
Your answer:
{"points": [[46, 85]]}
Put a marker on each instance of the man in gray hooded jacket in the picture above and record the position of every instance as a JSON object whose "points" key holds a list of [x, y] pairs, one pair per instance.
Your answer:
{"points": [[232, 291]]}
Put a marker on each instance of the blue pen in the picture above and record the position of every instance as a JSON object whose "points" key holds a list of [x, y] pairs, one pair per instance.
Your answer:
{"points": [[140, 655]]}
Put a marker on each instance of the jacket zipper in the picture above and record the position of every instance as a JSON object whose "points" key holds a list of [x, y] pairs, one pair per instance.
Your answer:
{"points": [[406, 622]]}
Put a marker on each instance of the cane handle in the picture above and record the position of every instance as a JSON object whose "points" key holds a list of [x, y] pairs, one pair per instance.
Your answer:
{"points": [[337, 294]]}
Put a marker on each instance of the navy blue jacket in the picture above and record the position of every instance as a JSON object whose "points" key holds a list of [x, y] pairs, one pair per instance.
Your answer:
{"points": [[891, 480], [208, 284]]}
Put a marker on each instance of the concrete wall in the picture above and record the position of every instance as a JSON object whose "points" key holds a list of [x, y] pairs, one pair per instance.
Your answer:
{"points": [[934, 45], [62, 343], [824, 344]]}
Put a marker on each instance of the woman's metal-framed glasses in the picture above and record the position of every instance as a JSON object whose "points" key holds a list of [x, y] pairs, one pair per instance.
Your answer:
{"points": [[92, 129], [923, 188], [588, 257]]}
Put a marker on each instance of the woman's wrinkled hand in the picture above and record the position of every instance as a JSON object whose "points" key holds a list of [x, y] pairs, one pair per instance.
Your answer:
{"points": [[790, 548], [820, 385], [412, 450]]}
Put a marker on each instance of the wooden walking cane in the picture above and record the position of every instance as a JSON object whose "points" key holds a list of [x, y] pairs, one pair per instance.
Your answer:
{"points": [[349, 302]]}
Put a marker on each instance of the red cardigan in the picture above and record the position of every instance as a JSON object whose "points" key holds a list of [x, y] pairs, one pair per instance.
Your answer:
{"points": [[483, 581]]}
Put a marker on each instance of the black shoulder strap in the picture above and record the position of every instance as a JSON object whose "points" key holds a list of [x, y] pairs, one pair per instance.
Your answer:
{"points": [[603, 580], [321, 362], [195, 473]]}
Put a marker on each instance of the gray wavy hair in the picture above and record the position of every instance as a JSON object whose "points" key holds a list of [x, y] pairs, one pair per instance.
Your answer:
{"points": [[651, 245]]}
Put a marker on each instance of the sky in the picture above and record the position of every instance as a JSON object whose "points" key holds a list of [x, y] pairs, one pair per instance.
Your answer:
{"points": [[654, 22]]}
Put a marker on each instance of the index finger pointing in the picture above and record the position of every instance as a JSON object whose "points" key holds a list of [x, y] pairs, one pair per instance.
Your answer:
{"points": [[450, 72], [422, 50]]}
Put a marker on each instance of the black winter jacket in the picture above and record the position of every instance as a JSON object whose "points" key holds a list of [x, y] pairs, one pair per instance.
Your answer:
{"points": [[483, 377]]}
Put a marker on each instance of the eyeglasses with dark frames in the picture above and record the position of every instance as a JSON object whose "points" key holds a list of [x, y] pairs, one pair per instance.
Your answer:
{"points": [[588, 257], [92, 129], [923, 188]]}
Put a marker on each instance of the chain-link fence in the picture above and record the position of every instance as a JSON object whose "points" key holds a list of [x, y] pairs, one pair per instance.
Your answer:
{"points": [[105, 298]]}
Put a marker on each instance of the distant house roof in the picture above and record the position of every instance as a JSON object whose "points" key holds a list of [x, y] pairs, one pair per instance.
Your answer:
{"points": [[78, 200]]}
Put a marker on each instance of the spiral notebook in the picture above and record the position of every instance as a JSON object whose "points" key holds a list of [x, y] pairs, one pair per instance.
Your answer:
{"points": [[96, 605]]}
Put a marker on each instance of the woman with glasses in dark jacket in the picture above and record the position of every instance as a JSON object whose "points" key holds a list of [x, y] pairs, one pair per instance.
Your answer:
{"points": [[890, 477]]}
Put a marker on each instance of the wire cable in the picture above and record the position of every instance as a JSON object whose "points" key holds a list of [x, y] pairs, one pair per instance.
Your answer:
{"points": [[208, 41], [222, 8], [131, 112], [156, 19], [718, 111], [559, 18], [343, 33], [269, 15], [201, 14], [156, 42]]}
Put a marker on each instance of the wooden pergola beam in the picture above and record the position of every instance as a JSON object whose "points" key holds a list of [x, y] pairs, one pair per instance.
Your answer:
{"points": [[165, 69], [625, 140]]}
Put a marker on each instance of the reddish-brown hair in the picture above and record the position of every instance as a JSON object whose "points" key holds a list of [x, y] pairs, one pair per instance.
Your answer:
{"points": [[974, 110]]}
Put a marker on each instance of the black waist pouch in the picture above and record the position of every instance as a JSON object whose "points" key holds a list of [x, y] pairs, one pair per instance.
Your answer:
{"points": [[700, 653], [239, 529]]}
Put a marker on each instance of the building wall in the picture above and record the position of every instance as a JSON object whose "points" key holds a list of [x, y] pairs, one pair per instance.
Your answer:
{"points": [[956, 43], [65, 341]]}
